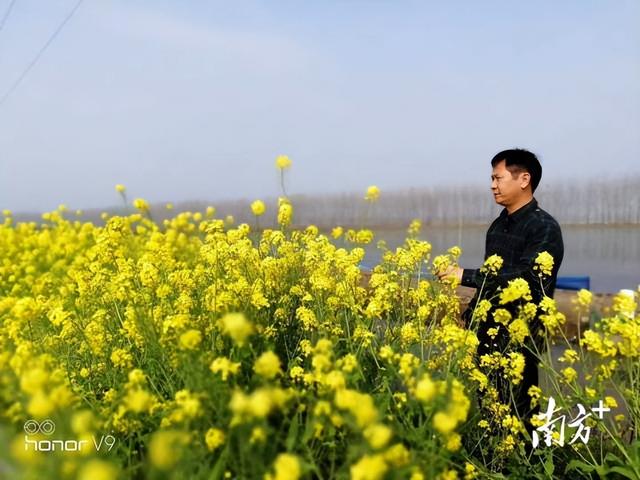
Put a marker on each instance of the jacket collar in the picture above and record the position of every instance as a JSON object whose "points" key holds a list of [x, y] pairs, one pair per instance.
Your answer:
{"points": [[521, 212]]}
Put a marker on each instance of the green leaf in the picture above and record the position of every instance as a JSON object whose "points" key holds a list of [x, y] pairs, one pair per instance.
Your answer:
{"points": [[579, 465], [219, 467], [625, 472], [612, 458], [293, 433], [549, 467]]}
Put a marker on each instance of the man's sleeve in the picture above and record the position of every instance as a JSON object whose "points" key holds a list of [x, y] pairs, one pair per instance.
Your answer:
{"points": [[546, 237], [471, 277]]}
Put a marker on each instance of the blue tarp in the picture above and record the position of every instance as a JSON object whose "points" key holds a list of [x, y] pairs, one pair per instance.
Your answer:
{"points": [[573, 283]]}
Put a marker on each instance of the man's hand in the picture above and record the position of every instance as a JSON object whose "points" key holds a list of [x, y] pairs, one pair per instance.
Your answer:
{"points": [[451, 272]]}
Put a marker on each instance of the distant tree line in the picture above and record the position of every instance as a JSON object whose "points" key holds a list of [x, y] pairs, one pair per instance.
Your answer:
{"points": [[593, 202]]}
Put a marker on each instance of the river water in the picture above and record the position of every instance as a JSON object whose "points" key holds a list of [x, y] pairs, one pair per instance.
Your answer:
{"points": [[609, 255]]}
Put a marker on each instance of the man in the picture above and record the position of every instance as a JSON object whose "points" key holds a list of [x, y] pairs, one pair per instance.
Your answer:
{"points": [[518, 235]]}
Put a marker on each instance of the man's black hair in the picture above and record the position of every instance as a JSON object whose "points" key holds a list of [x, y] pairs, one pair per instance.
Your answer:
{"points": [[520, 160]]}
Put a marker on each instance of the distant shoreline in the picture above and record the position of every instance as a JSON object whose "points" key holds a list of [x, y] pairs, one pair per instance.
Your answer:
{"points": [[95, 218], [594, 202]]}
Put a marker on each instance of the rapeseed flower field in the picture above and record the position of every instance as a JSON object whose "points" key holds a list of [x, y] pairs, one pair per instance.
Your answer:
{"points": [[198, 348]]}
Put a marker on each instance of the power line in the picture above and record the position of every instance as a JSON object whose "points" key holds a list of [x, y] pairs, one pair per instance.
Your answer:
{"points": [[6, 14], [40, 53]]}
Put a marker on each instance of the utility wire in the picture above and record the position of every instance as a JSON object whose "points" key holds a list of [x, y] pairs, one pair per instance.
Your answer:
{"points": [[39, 54], [6, 14]]}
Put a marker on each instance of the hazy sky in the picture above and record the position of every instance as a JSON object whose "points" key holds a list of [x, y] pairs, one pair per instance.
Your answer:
{"points": [[194, 99]]}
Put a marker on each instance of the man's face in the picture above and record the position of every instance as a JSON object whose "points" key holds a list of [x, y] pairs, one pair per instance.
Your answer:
{"points": [[507, 189]]}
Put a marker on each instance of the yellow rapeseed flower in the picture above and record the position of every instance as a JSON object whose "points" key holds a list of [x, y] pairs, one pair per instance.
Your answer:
{"points": [[569, 374], [397, 455], [584, 298], [141, 204], [444, 422], [260, 402], [98, 470], [120, 188], [369, 467], [82, 422], [337, 232], [285, 214], [482, 310], [191, 339], [492, 265], [165, 448], [610, 402], [214, 438], [348, 363], [286, 467], [258, 435], [138, 401], [624, 303], [267, 365], [258, 208], [518, 331], [448, 474], [425, 389], [502, 315], [236, 326], [570, 356], [373, 194], [454, 442], [470, 471], [33, 380], [516, 289], [544, 263], [40, 405], [283, 162], [296, 372], [414, 227], [599, 344], [188, 404], [364, 236], [515, 367], [377, 435], [121, 358], [225, 367], [441, 263], [360, 405]]}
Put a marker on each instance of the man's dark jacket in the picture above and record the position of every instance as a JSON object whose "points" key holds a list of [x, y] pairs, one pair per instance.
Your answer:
{"points": [[519, 238]]}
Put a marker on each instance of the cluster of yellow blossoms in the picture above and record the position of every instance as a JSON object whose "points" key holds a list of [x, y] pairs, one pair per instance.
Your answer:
{"points": [[203, 346]]}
